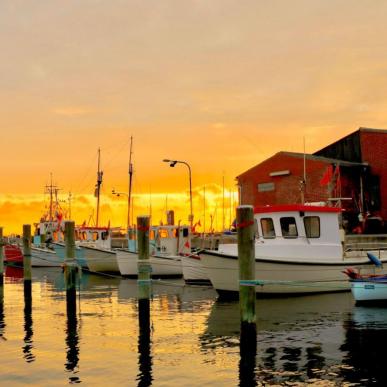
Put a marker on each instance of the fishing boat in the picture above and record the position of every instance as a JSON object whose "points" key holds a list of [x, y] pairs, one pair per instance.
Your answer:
{"points": [[49, 229], [371, 288], [298, 249], [13, 254], [167, 245]]}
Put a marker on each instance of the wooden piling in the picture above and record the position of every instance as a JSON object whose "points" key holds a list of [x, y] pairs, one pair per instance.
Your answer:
{"points": [[27, 254], [246, 259], [144, 267], [1, 257], [70, 268]]}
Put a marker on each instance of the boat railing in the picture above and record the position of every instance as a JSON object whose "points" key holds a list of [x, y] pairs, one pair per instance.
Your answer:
{"points": [[364, 246]]}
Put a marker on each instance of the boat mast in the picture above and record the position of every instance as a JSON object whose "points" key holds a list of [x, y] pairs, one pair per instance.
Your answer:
{"points": [[98, 185], [130, 181], [51, 189]]}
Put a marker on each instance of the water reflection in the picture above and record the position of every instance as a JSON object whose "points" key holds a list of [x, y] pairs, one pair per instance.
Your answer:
{"points": [[294, 335], [2, 322], [28, 342], [144, 376], [365, 345], [72, 343]]}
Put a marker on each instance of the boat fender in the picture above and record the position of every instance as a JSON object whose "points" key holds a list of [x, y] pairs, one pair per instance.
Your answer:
{"points": [[374, 260]]}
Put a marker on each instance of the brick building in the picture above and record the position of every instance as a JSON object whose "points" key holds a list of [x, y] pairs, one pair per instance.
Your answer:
{"points": [[351, 173]]}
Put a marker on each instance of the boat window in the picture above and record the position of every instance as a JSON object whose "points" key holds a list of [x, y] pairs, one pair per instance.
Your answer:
{"points": [[152, 234], [289, 227], [104, 235], [267, 226], [175, 232], [185, 232], [84, 235], [95, 235], [163, 233], [312, 226]]}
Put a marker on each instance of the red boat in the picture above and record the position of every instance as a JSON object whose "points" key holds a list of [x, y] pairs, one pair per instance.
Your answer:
{"points": [[13, 255]]}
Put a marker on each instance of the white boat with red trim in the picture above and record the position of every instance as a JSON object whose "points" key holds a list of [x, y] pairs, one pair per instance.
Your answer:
{"points": [[298, 249]]}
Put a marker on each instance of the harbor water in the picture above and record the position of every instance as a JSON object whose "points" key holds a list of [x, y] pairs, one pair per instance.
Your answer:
{"points": [[190, 339]]}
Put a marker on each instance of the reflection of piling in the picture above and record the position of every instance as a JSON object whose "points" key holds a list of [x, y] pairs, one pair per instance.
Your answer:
{"points": [[72, 355], [246, 258], [70, 268], [1, 259], [28, 331], [144, 292], [27, 257]]}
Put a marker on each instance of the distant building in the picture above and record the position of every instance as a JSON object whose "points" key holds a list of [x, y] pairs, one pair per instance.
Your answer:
{"points": [[351, 173]]}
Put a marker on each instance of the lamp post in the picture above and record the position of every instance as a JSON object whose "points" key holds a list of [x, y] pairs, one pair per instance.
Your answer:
{"points": [[172, 163], [118, 194]]}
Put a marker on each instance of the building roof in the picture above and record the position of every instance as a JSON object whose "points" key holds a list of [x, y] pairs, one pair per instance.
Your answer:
{"points": [[310, 157]]}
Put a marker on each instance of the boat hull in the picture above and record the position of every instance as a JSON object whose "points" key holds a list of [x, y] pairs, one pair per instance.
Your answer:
{"points": [[60, 250], [127, 262], [193, 270], [100, 261], [364, 291], [275, 276], [166, 266], [41, 257], [162, 266]]}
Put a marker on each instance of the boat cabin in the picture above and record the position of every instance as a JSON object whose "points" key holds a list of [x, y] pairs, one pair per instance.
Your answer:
{"points": [[46, 232], [94, 236], [296, 232], [170, 240]]}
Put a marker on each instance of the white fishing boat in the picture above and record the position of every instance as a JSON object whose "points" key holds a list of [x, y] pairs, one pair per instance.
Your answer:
{"points": [[95, 245], [95, 242], [49, 229], [298, 249], [167, 244]]}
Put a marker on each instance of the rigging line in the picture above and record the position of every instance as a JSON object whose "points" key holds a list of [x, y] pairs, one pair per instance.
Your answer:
{"points": [[83, 183], [115, 155]]}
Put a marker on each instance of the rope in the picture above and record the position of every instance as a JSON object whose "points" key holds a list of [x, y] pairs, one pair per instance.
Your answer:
{"points": [[292, 283]]}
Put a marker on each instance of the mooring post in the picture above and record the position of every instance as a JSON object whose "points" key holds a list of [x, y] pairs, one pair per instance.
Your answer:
{"points": [[1, 257], [27, 255], [70, 268], [144, 268], [246, 258]]}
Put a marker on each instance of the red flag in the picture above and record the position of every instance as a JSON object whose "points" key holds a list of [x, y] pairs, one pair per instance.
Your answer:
{"points": [[186, 244], [327, 176]]}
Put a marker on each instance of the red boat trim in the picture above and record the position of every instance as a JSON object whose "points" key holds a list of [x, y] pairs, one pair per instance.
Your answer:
{"points": [[294, 208]]}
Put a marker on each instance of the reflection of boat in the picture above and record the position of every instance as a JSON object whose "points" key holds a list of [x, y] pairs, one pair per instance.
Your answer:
{"points": [[297, 250], [13, 255]]}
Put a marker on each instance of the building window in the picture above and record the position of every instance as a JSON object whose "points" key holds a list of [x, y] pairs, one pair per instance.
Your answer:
{"points": [[267, 226], [289, 227], [265, 187], [312, 226]]}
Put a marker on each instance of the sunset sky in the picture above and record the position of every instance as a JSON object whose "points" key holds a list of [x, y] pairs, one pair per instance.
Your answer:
{"points": [[220, 84]]}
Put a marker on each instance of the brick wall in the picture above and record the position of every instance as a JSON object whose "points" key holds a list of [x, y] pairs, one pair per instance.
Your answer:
{"points": [[374, 151], [286, 188]]}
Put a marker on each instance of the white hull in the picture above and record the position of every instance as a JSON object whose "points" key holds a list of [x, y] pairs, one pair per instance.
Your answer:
{"points": [[41, 257], [281, 276], [99, 260], [166, 266], [162, 266], [193, 270], [368, 291], [127, 262]]}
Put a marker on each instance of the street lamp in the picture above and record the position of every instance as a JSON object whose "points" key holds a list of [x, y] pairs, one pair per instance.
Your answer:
{"points": [[118, 194], [172, 163]]}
